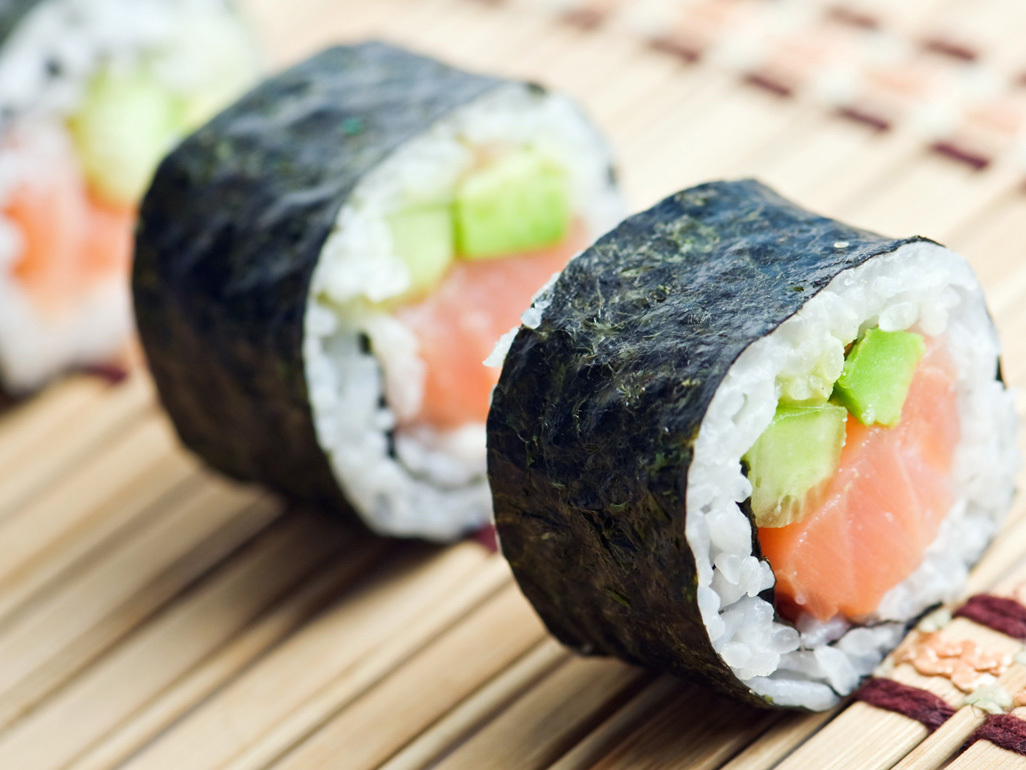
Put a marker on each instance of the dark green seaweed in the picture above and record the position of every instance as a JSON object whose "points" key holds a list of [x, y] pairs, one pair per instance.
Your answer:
{"points": [[594, 419], [11, 14], [229, 236]]}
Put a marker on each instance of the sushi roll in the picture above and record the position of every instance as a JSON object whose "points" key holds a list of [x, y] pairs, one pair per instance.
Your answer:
{"points": [[746, 444], [321, 271], [92, 93]]}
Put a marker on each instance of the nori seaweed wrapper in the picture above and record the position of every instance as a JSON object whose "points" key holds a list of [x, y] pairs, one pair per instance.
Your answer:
{"points": [[230, 234], [594, 420], [12, 12]]}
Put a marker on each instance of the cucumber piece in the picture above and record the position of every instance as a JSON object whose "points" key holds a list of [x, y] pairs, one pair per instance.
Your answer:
{"points": [[518, 203], [423, 239], [877, 374], [797, 453], [125, 124]]}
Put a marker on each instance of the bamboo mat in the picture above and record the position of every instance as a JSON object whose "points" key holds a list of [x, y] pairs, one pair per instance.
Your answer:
{"points": [[155, 616]]}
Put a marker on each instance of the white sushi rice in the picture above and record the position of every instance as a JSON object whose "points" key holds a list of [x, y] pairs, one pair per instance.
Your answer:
{"points": [[45, 66], [48, 60], [417, 481], [923, 287]]}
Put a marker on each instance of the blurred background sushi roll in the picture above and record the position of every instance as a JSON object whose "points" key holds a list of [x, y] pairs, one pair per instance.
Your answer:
{"points": [[747, 444], [92, 94], [321, 271]]}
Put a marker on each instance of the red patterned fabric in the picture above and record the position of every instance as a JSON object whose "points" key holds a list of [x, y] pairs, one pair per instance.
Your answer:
{"points": [[1004, 731], [486, 537], [926, 708], [1004, 615]]}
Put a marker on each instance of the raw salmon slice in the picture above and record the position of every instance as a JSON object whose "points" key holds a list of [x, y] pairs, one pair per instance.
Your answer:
{"points": [[459, 323], [107, 245], [880, 511], [69, 241], [48, 210]]}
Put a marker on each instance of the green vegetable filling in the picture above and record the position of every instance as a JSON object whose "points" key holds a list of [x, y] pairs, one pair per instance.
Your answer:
{"points": [[129, 117], [877, 374], [801, 449], [797, 454], [125, 124], [424, 239], [518, 203]]}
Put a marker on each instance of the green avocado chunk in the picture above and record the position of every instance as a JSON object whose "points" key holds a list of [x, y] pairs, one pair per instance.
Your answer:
{"points": [[798, 452], [125, 124], [877, 374], [518, 203], [423, 238]]}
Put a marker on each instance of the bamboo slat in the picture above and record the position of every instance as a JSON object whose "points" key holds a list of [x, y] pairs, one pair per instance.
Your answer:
{"points": [[202, 620], [63, 632], [986, 756], [784, 737], [31, 422], [626, 722], [421, 691], [226, 663], [1002, 557], [390, 654], [690, 723], [86, 509], [376, 616], [946, 741], [491, 699], [70, 440], [877, 738], [582, 692]]}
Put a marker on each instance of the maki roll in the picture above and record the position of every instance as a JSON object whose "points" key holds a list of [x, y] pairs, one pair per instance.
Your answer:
{"points": [[321, 271], [92, 93], [749, 445]]}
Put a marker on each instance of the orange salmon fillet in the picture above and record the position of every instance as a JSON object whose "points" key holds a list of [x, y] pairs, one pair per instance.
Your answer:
{"points": [[70, 241], [459, 323], [880, 511]]}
